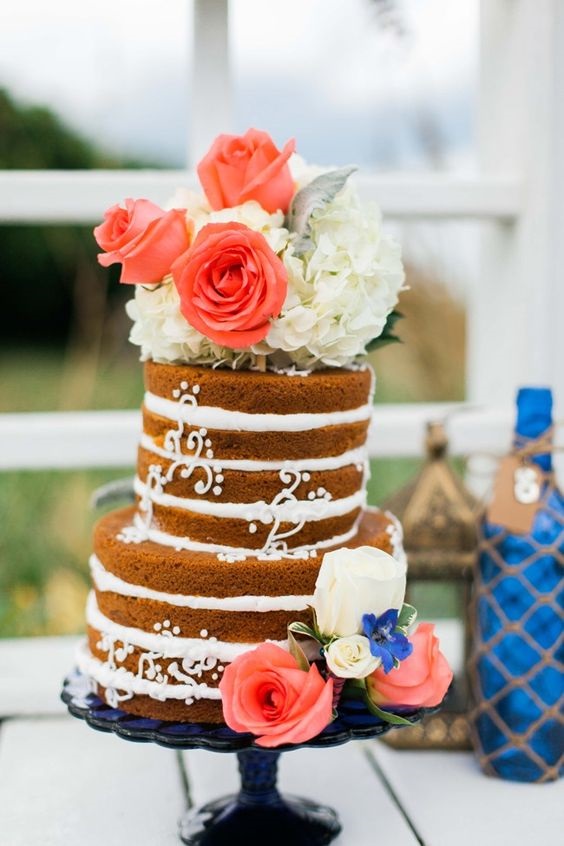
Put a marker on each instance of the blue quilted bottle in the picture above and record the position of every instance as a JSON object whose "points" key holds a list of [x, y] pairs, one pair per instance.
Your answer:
{"points": [[517, 666]]}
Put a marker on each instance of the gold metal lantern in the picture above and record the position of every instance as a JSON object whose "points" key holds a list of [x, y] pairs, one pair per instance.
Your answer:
{"points": [[440, 536]]}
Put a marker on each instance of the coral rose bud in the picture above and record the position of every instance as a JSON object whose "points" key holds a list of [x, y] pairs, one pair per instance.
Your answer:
{"points": [[420, 681], [245, 167], [144, 238], [264, 692], [230, 284]]}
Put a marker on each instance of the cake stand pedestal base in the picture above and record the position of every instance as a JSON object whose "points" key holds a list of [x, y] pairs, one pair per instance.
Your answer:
{"points": [[258, 813]]}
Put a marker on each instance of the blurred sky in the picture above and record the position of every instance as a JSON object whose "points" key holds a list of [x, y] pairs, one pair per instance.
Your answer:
{"points": [[325, 71]]}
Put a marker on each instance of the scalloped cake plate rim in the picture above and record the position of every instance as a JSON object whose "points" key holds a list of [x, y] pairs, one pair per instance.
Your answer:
{"points": [[354, 722]]}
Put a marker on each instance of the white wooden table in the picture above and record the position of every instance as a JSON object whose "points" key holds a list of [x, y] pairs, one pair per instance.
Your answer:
{"points": [[62, 783]]}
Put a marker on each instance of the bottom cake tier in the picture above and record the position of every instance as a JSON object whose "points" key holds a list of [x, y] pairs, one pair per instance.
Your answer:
{"points": [[163, 623]]}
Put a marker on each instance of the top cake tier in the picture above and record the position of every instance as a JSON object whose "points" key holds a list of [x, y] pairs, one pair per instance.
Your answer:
{"points": [[245, 463]]}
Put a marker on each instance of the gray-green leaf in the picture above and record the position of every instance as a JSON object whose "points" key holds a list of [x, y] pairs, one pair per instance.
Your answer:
{"points": [[302, 629], [313, 197], [407, 616]]}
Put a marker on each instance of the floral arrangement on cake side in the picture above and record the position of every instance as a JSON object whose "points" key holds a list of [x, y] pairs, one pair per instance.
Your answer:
{"points": [[278, 264], [365, 647]]}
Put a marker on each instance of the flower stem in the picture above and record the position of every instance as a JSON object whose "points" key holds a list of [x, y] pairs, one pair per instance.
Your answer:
{"points": [[338, 685]]}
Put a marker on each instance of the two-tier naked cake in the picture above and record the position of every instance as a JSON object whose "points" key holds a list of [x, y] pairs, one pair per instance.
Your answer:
{"points": [[253, 307]]}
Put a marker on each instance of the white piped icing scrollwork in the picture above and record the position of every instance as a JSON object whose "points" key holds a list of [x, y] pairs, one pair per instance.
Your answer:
{"points": [[285, 507], [276, 542], [162, 655], [152, 665], [199, 456]]}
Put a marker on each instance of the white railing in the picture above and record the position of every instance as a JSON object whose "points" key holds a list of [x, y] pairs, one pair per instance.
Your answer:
{"points": [[28, 196], [109, 438], [515, 308]]}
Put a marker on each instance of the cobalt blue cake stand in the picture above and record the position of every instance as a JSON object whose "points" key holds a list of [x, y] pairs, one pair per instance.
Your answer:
{"points": [[258, 814]]}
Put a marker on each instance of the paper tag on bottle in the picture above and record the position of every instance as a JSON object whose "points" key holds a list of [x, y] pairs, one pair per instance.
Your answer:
{"points": [[516, 495]]}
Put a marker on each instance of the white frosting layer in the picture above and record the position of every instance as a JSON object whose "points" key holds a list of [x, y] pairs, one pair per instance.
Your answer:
{"points": [[178, 542], [106, 581], [395, 531], [213, 417], [120, 679], [166, 644], [331, 462], [289, 511]]}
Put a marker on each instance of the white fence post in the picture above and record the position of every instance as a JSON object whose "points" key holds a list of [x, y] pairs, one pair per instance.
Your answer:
{"points": [[516, 310], [210, 111]]}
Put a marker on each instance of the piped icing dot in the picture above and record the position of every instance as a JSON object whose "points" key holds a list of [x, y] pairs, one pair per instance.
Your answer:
{"points": [[196, 389], [204, 633], [252, 528], [184, 385]]}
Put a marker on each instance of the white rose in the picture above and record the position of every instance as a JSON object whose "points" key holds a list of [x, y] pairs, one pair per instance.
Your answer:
{"points": [[353, 582], [350, 657]]}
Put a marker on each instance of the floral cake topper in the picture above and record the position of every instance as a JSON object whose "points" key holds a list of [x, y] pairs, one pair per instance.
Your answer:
{"points": [[277, 260]]}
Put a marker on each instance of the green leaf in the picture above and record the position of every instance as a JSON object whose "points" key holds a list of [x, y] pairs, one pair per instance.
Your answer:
{"points": [[314, 197], [387, 716], [354, 689], [387, 335], [407, 616], [303, 629], [297, 652]]}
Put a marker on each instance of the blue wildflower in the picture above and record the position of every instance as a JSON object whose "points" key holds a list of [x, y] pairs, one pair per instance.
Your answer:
{"points": [[385, 642]]}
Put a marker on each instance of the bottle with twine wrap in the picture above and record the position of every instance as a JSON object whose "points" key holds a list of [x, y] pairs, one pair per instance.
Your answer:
{"points": [[517, 663]]}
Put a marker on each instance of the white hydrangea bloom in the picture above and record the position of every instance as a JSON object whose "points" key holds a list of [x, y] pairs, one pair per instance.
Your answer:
{"points": [[339, 293], [164, 334], [342, 291]]}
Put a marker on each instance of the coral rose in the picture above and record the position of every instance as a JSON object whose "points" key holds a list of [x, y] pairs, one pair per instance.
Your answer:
{"points": [[230, 284], [264, 692], [144, 238], [421, 680], [245, 167]]}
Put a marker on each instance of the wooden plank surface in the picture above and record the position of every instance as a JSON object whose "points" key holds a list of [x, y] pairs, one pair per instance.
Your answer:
{"points": [[32, 672], [451, 803], [64, 784], [340, 777]]}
